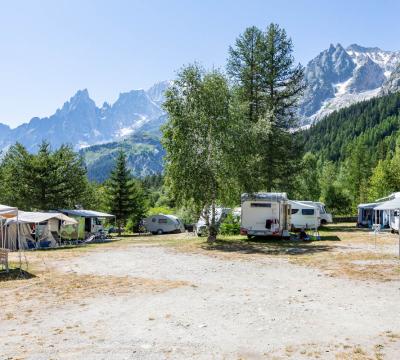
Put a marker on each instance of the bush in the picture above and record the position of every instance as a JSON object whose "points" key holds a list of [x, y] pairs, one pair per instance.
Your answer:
{"points": [[230, 226]]}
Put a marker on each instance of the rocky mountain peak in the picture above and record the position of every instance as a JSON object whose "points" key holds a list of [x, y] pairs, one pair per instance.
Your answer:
{"points": [[362, 49]]}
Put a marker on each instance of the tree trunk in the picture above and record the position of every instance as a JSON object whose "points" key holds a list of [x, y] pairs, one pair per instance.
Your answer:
{"points": [[212, 229]]}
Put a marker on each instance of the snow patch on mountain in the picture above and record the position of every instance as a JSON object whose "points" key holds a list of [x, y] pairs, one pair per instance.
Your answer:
{"points": [[340, 77]]}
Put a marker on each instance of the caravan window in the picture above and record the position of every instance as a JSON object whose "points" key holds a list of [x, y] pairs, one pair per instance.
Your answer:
{"points": [[162, 221], [295, 211], [257, 204], [307, 211]]}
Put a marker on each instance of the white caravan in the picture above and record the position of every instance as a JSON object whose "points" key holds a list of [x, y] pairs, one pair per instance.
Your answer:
{"points": [[304, 216], [163, 224], [265, 214], [325, 216], [220, 216]]}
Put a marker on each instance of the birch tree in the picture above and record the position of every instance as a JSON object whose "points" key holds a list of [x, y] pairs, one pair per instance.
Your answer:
{"points": [[197, 139]]}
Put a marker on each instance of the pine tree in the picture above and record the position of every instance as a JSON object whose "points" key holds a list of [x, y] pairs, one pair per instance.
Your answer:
{"points": [[120, 192], [43, 181], [262, 66]]}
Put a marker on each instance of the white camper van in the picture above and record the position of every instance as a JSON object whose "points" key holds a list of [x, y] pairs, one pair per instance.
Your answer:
{"points": [[325, 216], [163, 224], [304, 216], [220, 216], [265, 214]]}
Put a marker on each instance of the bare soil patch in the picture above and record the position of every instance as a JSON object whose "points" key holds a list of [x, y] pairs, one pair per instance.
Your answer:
{"points": [[176, 297]]}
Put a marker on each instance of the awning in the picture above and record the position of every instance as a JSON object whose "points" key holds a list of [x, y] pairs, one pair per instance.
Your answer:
{"points": [[369, 206], [8, 211], [87, 213], [38, 217], [389, 205]]}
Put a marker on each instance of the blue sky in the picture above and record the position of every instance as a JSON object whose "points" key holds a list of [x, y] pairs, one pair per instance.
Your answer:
{"points": [[52, 48]]}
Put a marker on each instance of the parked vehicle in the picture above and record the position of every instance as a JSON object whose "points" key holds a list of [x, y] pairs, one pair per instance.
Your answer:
{"points": [[304, 216], [325, 216], [265, 214], [163, 224], [90, 222], [220, 216]]}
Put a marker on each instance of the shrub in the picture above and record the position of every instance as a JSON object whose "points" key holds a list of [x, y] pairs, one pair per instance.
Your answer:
{"points": [[230, 226]]}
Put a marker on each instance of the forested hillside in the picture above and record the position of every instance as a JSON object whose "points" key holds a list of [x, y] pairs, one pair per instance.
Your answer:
{"points": [[144, 156], [374, 123], [353, 155]]}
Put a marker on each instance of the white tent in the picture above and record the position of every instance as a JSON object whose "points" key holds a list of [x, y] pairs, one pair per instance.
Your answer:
{"points": [[22, 221], [39, 217], [5, 213], [8, 211], [393, 204]]}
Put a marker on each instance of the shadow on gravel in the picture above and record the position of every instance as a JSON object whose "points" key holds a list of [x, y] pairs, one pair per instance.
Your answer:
{"points": [[15, 274], [344, 228], [268, 247]]}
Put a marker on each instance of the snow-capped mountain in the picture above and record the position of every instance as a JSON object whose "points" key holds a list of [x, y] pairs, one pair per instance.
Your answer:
{"points": [[393, 83], [339, 77], [336, 78], [81, 123]]}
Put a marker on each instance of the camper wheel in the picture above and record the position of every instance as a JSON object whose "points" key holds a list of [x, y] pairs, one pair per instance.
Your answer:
{"points": [[159, 232], [323, 222]]}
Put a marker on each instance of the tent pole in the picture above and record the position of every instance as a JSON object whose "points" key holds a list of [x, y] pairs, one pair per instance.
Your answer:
{"points": [[19, 242], [398, 213]]}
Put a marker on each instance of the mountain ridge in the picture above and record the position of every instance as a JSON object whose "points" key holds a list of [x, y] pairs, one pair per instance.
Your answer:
{"points": [[340, 77], [80, 122]]}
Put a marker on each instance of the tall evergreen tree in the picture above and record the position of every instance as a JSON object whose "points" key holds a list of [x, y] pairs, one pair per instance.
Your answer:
{"points": [[121, 192], [43, 181], [262, 66]]}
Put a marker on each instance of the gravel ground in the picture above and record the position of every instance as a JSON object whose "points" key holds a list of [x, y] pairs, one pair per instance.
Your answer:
{"points": [[226, 309]]}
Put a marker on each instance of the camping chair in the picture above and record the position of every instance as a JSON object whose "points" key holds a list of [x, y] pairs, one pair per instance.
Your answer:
{"points": [[44, 244], [31, 244]]}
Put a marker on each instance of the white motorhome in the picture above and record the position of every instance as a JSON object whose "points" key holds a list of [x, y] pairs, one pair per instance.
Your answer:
{"points": [[265, 214], [220, 216], [163, 224], [325, 216], [304, 216]]}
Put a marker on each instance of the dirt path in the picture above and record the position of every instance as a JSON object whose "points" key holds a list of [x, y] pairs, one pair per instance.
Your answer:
{"points": [[152, 302]]}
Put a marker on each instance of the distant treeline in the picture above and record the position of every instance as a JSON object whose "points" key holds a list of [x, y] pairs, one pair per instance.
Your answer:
{"points": [[355, 153]]}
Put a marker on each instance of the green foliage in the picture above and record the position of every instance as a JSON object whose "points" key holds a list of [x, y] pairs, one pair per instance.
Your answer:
{"points": [[230, 226], [160, 210], [144, 156], [268, 84], [43, 181], [125, 197], [355, 148], [197, 137]]}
